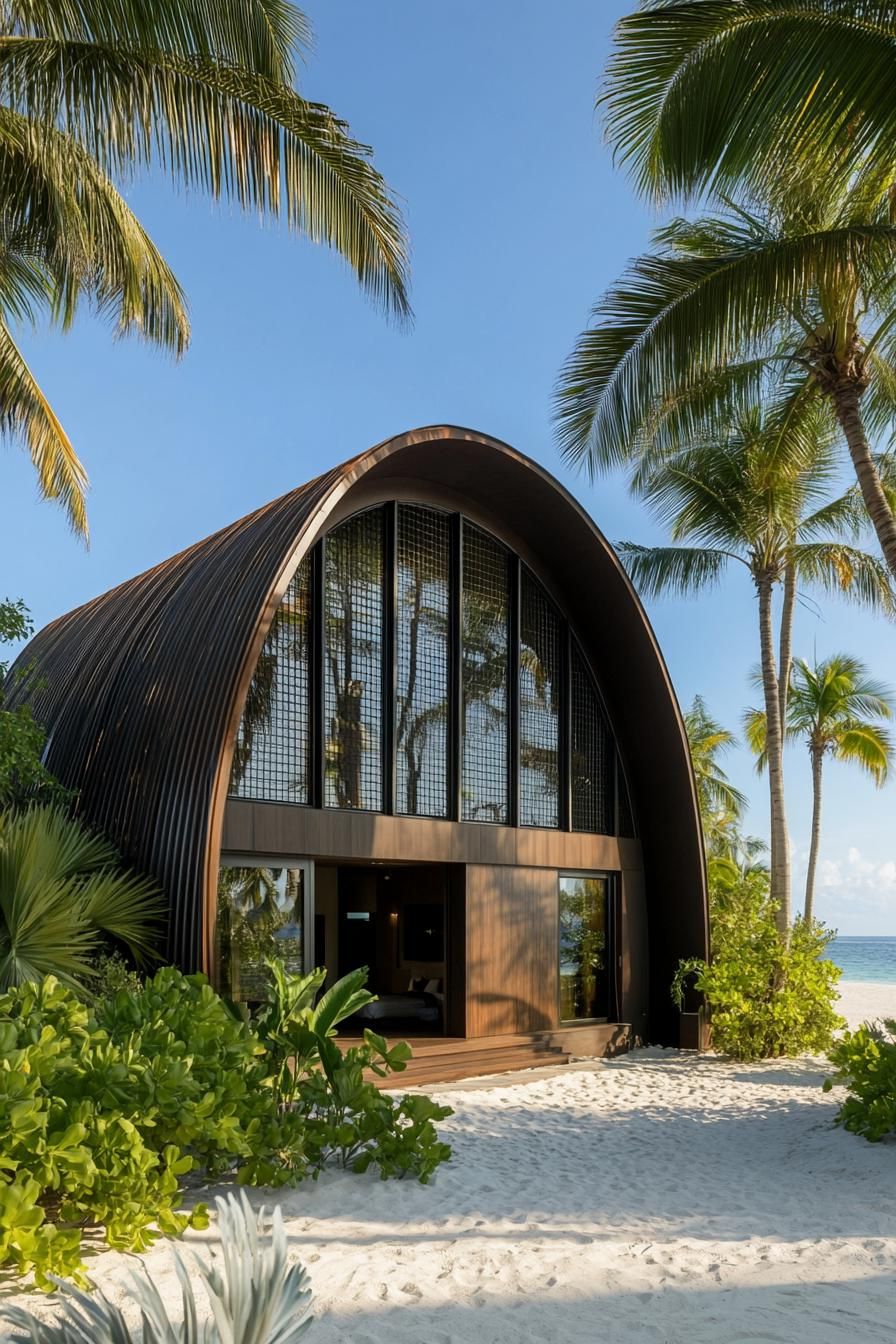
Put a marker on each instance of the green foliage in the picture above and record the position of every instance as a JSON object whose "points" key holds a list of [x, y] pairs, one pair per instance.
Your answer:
{"points": [[106, 1106], [110, 974], [256, 1296], [865, 1063], [62, 892], [205, 91], [23, 777], [767, 996]]}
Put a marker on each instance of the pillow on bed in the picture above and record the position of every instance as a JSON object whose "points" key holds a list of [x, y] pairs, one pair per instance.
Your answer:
{"points": [[416, 984]]}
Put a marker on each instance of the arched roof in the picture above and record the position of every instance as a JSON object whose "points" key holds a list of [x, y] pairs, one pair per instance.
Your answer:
{"points": [[141, 689]]}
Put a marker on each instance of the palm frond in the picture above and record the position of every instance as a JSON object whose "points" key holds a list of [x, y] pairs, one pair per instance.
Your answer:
{"points": [[658, 570], [845, 571], [867, 746], [715, 96], [231, 132], [26, 416]]}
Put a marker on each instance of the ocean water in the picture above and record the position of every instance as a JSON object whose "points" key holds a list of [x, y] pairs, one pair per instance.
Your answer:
{"points": [[865, 958]]}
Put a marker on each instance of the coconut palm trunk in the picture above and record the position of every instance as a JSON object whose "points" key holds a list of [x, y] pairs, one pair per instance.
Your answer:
{"points": [[780, 849], [817, 761], [845, 394], [785, 646]]}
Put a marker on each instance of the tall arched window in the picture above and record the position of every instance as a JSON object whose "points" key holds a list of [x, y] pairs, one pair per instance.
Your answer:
{"points": [[416, 664]]}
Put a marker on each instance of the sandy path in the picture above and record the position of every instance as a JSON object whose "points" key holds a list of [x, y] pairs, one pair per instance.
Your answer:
{"points": [[660, 1197]]}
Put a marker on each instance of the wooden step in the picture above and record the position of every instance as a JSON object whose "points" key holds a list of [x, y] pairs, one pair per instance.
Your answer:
{"points": [[449, 1066]]}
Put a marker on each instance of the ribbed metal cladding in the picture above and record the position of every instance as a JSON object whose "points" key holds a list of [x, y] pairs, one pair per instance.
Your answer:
{"points": [[137, 690]]}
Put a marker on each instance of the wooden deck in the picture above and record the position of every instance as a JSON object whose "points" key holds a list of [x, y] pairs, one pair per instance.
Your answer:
{"points": [[445, 1059]]}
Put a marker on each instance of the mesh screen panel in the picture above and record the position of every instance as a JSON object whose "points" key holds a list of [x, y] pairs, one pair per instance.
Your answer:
{"points": [[591, 754], [484, 739], [421, 662], [540, 681], [271, 757], [353, 662]]}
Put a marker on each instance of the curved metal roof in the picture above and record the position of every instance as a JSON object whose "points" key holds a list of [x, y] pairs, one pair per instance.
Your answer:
{"points": [[141, 689]]}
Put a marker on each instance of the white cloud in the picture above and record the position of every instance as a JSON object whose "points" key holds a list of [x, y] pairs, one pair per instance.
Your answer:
{"points": [[854, 893]]}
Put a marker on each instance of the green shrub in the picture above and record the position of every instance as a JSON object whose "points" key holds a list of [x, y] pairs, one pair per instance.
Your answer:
{"points": [[765, 998], [106, 1106], [63, 897], [865, 1062]]}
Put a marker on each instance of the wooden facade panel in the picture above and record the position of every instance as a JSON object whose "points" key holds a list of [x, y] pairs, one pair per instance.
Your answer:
{"points": [[298, 832], [511, 949]]}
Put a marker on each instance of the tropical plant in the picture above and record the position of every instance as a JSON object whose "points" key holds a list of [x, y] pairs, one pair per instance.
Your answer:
{"points": [[759, 497], [23, 776], [865, 1063], [255, 1295], [63, 892], [836, 709], [92, 93], [707, 740], [767, 996], [813, 286], [105, 1106]]}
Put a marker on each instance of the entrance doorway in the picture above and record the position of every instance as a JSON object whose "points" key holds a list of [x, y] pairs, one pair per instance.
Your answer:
{"points": [[393, 919]]}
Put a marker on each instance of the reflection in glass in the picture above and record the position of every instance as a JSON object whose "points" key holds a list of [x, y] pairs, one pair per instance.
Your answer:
{"points": [[271, 756], [591, 754], [540, 675], [353, 664], [260, 914], [484, 741], [421, 662], [583, 948]]}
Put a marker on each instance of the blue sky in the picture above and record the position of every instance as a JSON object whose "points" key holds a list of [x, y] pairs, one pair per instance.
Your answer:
{"points": [[483, 120]]}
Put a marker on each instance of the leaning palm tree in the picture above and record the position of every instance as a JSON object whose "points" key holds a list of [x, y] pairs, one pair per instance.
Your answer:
{"points": [[758, 500], [836, 709], [720, 301], [92, 93], [62, 892]]}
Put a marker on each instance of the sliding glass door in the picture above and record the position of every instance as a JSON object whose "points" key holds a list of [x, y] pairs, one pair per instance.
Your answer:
{"points": [[584, 947], [265, 909]]}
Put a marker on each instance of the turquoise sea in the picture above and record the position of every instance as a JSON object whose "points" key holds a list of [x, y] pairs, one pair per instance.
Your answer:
{"points": [[865, 958]]}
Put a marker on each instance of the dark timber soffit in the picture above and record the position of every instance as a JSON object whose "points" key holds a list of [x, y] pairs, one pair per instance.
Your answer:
{"points": [[141, 689]]}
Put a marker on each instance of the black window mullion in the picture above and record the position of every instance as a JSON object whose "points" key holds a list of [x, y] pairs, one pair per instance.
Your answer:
{"points": [[513, 694], [564, 764], [318, 652], [455, 669], [390, 679]]}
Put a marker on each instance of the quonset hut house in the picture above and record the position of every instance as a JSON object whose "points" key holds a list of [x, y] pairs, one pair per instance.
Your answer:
{"points": [[410, 716]]}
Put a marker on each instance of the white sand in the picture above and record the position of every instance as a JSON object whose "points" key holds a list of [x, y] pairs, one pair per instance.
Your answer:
{"points": [[661, 1197], [863, 1001]]}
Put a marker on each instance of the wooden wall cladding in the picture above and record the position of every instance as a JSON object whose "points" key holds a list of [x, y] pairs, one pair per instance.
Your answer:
{"points": [[511, 949]]}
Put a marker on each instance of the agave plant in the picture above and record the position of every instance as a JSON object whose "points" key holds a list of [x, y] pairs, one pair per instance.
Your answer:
{"points": [[62, 889], [254, 1295]]}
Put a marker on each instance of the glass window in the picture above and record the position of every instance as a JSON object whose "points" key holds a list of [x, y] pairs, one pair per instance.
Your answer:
{"points": [[484, 738], [421, 662], [353, 663], [261, 913], [540, 678], [271, 757], [591, 754], [584, 960]]}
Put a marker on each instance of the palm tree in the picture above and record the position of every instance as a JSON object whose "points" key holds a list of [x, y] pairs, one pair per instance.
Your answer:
{"points": [[707, 739], [720, 301], [61, 891], [758, 499], [836, 709], [93, 92]]}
